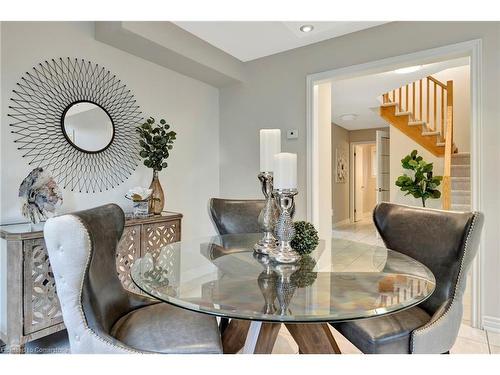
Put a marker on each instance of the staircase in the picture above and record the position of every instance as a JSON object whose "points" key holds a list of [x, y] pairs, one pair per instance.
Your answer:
{"points": [[423, 110], [460, 182]]}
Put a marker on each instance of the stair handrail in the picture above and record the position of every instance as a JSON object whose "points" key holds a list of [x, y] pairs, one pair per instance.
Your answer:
{"points": [[405, 98]]}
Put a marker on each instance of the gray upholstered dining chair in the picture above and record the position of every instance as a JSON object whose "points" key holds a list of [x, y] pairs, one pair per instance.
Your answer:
{"points": [[99, 314], [233, 216], [446, 242]]}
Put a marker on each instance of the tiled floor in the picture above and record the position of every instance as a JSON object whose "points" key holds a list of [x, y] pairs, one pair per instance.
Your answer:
{"points": [[360, 231]]}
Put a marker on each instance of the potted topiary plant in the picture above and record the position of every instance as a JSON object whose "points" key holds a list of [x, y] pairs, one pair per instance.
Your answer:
{"points": [[156, 142], [423, 184], [306, 238]]}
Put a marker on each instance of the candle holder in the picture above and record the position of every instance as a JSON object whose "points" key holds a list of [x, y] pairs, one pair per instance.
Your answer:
{"points": [[285, 288], [285, 230], [267, 283], [268, 216]]}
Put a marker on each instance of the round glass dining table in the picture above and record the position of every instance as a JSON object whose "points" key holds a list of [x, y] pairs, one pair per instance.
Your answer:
{"points": [[341, 280]]}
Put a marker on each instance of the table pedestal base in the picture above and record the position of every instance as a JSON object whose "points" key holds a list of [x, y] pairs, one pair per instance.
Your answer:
{"points": [[255, 337]]}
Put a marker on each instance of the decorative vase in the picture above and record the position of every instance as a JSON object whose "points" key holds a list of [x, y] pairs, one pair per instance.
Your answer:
{"points": [[157, 200]]}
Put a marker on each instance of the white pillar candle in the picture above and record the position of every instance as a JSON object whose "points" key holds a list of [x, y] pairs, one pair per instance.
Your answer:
{"points": [[270, 145], [285, 171]]}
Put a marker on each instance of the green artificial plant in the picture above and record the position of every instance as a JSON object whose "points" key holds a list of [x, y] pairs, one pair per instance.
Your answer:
{"points": [[306, 237], [423, 184], [156, 142], [304, 276]]}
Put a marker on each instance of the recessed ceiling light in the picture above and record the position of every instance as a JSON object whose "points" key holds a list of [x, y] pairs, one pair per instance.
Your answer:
{"points": [[409, 69], [306, 28], [349, 117]]}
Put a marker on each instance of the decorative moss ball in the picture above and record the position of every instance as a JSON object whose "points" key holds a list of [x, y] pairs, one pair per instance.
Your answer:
{"points": [[306, 237], [304, 276]]}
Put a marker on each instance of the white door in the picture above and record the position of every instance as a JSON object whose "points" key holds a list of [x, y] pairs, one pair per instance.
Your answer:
{"points": [[359, 187], [383, 166]]}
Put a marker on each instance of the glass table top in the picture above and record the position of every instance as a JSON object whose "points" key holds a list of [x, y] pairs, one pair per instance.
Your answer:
{"points": [[223, 276]]}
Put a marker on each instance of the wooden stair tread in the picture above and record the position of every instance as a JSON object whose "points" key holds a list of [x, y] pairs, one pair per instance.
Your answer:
{"points": [[417, 123], [431, 133], [401, 123]]}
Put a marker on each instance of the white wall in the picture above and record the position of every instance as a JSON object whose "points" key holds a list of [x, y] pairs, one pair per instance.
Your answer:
{"points": [[340, 191], [192, 107], [274, 94], [325, 160], [400, 146]]}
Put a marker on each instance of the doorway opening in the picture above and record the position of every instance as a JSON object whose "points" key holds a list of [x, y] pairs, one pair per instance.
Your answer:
{"points": [[324, 215], [364, 178]]}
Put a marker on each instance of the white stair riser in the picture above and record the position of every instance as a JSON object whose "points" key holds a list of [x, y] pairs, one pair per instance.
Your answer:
{"points": [[460, 171], [460, 198], [460, 185], [460, 207], [460, 160]]}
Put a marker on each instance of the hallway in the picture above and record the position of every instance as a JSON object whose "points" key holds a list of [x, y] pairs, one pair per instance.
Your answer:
{"points": [[361, 231]]}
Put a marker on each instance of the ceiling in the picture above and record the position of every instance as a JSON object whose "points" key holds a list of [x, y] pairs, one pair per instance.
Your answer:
{"points": [[360, 95], [252, 40]]}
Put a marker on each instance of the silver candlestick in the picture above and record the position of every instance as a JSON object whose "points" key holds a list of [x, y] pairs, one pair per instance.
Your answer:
{"points": [[285, 288], [285, 231], [267, 283], [268, 216]]}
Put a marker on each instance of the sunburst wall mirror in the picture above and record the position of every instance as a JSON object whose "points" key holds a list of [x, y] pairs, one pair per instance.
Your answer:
{"points": [[77, 120]]}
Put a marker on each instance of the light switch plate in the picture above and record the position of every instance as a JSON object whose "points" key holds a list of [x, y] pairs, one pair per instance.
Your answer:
{"points": [[292, 134]]}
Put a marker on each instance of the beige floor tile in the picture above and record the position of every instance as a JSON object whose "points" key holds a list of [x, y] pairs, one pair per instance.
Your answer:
{"points": [[493, 338], [467, 332], [345, 345], [285, 344], [466, 346]]}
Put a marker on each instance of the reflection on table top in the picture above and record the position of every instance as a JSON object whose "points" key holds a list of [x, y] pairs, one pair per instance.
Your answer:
{"points": [[223, 276]]}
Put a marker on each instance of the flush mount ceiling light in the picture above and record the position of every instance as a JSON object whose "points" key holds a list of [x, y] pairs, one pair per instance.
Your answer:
{"points": [[409, 69], [349, 117], [306, 28]]}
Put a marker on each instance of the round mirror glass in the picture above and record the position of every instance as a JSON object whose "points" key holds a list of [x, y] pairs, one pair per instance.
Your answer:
{"points": [[87, 126]]}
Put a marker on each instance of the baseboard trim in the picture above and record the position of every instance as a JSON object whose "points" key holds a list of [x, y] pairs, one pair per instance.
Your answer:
{"points": [[491, 323]]}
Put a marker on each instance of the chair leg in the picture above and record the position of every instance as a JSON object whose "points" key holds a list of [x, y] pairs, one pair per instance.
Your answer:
{"points": [[448, 352]]}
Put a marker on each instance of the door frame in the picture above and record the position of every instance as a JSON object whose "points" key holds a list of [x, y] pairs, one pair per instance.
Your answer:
{"points": [[352, 187], [471, 49]]}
